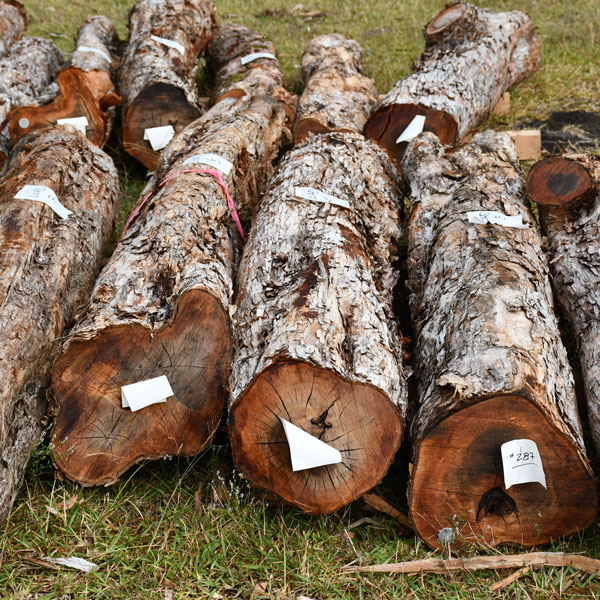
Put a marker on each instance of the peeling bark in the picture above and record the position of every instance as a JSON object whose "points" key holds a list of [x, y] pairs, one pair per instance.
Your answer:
{"points": [[157, 84], [13, 21], [567, 190], [490, 363], [261, 77], [86, 87], [315, 340], [336, 97], [472, 56], [161, 307], [47, 268]]}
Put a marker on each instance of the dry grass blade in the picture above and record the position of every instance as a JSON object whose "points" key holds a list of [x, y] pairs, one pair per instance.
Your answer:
{"points": [[499, 585]]}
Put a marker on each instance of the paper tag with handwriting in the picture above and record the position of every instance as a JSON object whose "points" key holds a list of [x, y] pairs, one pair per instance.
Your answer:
{"points": [[212, 160], [522, 463], [94, 50], [80, 123], [169, 43], [144, 393], [308, 193], [256, 55], [41, 193], [483, 217], [415, 127], [159, 137]]}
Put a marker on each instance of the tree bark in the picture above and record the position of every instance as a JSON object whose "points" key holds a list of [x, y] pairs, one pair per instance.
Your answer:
{"points": [[336, 97], [86, 87], [472, 56], [567, 190], [47, 268], [161, 307], [315, 340], [490, 363], [261, 77], [156, 83], [13, 21]]}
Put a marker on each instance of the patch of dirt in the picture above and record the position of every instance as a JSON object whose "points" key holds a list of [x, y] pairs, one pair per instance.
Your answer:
{"points": [[568, 131]]}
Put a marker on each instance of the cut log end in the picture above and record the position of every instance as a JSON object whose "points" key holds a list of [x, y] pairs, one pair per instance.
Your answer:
{"points": [[94, 439], [388, 122], [306, 126], [157, 105], [445, 19], [558, 181], [356, 419], [458, 481]]}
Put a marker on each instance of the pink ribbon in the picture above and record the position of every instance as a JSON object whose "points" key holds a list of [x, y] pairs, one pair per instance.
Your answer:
{"points": [[205, 171]]}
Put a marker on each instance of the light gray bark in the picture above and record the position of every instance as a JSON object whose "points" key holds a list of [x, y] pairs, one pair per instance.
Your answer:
{"points": [[13, 21]]}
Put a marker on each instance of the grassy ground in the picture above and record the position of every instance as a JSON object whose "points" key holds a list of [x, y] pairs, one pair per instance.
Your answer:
{"points": [[190, 528]]}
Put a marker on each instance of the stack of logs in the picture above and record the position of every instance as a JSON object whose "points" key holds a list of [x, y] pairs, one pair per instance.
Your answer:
{"points": [[267, 287]]}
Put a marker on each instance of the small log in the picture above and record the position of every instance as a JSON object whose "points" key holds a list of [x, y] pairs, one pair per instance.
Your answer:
{"points": [[157, 83], [13, 22], [336, 95], [47, 269], [472, 55], [567, 191], [491, 366], [260, 77], [161, 307], [86, 86]]}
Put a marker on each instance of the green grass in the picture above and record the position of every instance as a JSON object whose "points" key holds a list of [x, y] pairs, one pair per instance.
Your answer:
{"points": [[192, 526]]}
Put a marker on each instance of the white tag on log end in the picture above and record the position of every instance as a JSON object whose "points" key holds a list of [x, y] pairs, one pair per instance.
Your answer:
{"points": [[483, 217], [212, 160], [415, 127], [169, 43], [144, 393], [159, 137], [94, 50], [80, 123], [256, 55], [44, 194], [308, 193], [307, 451], [522, 463]]}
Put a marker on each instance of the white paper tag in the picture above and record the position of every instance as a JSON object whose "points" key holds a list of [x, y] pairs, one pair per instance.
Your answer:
{"points": [[169, 43], [144, 393], [44, 194], [522, 463], [94, 50], [80, 123], [415, 127], [212, 160], [483, 217], [257, 55], [159, 137], [307, 451], [308, 193]]}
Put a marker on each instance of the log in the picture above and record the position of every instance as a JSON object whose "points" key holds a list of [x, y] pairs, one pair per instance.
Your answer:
{"points": [[337, 96], [13, 22], [490, 364], [260, 77], [47, 269], [472, 56], [86, 86], [567, 191], [161, 307], [157, 83], [315, 341]]}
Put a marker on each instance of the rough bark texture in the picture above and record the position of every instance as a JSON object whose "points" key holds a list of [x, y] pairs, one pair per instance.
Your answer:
{"points": [[157, 84], [336, 97], [567, 190], [161, 307], [315, 342], [13, 21], [86, 87], [28, 77], [490, 363], [472, 56], [261, 77], [47, 268]]}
